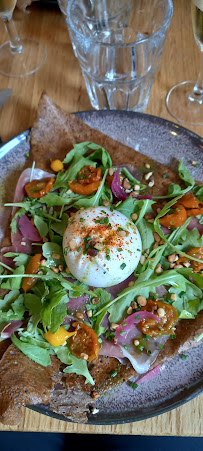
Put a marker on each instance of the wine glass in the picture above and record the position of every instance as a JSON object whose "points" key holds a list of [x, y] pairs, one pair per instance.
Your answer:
{"points": [[18, 57], [185, 100]]}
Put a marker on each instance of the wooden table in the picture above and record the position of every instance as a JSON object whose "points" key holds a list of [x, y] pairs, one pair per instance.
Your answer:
{"points": [[62, 79]]}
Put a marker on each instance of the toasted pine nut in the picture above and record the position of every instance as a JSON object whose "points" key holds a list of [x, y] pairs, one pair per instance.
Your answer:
{"points": [[131, 283], [171, 258], [60, 267], [148, 175], [129, 310], [43, 262], [89, 313], [134, 216], [136, 342], [156, 237], [114, 325], [178, 266], [79, 315], [56, 256], [136, 187], [142, 259], [141, 300], [126, 184], [111, 171], [150, 184], [134, 305], [72, 245], [54, 269], [147, 165], [173, 297], [67, 270], [161, 312], [83, 356], [159, 270], [121, 233]]}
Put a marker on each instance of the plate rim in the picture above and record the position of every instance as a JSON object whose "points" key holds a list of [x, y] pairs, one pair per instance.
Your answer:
{"points": [[194, 389]]}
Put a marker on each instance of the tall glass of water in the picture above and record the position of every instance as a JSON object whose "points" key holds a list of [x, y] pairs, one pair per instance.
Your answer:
{"points": [[118, 44], [18, 57]]}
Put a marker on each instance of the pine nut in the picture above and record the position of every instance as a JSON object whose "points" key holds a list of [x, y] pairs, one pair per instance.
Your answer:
{"points": [[111, 171], [60, 267], [141, 300], [56, 256], [161, 312], [67, 270], [147, 165], [99, 246], [171, 258], [150, 184], [148, 175], [89, 313], [114, 326], [43, 262], [126, 184], [129, 310], [156, 237], [83, 356], [121, 233], [131, 283], [142, 259], [54, 269], [136, 187], [134, 216], [72, 245], [134, 305], [136, 342], [79, 315], [178, 266], [186, 264], [159, 270], [173, 297]]}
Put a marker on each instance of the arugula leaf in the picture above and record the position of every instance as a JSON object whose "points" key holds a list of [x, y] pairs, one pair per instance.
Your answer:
{"points": [[60, 227], [79, 366], [41, 226], [9, 298], [146, 232], [184, 174], [78, 149], [19, 259], [52, 314], [198, 192], [36, 353], [14, 283], [104, 298], [15, 312], [100, 155]]}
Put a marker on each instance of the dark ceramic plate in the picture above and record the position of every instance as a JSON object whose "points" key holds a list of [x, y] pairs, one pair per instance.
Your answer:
{"points": [[180, 380]]}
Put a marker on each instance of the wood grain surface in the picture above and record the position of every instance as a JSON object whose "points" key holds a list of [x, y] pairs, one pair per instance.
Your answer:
{"points": [[62, 79]]}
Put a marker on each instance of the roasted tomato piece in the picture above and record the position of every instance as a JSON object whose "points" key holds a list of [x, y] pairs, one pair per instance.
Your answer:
{"points": [[167, 314], [89, 174], [84, 344], [88, 182], [31, 268], [196, 252], [39, 188], [189, 200], [176, 219]]}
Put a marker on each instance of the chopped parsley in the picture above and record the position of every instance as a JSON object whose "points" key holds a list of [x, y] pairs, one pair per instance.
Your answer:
{"points": [[123, 265], [184, 357], [133, 385], [113, 373]]}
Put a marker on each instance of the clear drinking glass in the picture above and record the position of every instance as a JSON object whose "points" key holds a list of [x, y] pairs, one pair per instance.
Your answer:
{"points": [[185, 100], [118, 44], [18, 57]]}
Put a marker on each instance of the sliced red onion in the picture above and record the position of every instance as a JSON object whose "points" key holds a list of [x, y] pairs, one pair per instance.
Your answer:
{"points": [[116, 187], [165, 230], [195, 223], [28, 230], [9, 328], [129, 322], [150, 374]]}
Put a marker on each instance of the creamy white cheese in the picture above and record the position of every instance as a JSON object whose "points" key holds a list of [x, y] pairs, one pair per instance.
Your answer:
{"points": [[101, 248]]}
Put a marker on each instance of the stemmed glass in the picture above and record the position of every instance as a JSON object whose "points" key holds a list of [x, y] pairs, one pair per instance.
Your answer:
{"points": [[18, 57], [185, 100]]}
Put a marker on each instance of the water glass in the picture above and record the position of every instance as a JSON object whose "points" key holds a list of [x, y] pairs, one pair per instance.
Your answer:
{"points": [[118, 44]]}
